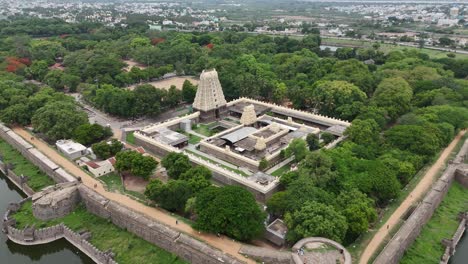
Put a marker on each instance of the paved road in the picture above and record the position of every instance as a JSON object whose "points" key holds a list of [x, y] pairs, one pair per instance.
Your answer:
{"points": [[419, 191], [223, 243]]}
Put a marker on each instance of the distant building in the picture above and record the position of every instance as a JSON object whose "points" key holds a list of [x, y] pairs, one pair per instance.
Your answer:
{"points": [[454, 11], [71, 149]]}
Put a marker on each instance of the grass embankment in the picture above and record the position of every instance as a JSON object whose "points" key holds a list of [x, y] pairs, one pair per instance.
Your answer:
{"points": [[36, 178], [428, 247], [127, 247], [356, 248]]}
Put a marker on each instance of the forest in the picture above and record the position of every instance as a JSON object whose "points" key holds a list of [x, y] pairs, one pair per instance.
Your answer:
{"points": [[404, 107]]}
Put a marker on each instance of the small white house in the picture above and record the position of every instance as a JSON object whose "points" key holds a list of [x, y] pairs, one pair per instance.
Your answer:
{"points": [[101, 168], [71, 149]]}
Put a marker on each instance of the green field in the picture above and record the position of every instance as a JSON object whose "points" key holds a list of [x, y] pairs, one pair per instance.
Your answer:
{"points": [[387, 47], [127, 247], [113, 183], [428, 247], [193, 139], [36, 178]]}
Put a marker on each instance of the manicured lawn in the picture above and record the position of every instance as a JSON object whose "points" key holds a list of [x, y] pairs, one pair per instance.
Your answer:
{"points": [[127, 247], [282, 170], [37, 179], [130, 138], [428, 247]]}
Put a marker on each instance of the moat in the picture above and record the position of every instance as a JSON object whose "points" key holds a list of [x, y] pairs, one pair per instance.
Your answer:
{"points": [[53, 253]]}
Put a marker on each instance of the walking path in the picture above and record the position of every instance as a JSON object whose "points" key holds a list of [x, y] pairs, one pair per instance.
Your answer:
{"points": [[421, 188], [222, 243]]}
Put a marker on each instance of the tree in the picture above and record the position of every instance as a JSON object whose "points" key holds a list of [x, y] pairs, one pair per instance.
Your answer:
{"points": [[197, 177], [188, 91], [104, 150], [88, 134], [176, 164], [135, 163], [316, 220], [363, 132], [313, 142], [263, 164], [327, 137], [54, 79], [171, 196], [38, 69], [229, 210], [70, 81], [338, 98], [393, 94], [277, 205], [416, 139], [359, 212], [58, 120], [298, 148]]}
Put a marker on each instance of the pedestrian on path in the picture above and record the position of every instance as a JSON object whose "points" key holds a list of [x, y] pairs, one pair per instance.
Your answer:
{"points": [[176, 222]]}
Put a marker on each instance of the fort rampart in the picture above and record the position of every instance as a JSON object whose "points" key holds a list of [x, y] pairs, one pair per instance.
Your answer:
{"points": [[411, 228]]}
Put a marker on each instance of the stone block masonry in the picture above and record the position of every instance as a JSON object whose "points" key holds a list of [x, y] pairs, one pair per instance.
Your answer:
{"points": [[410, 230], [184, 246]]}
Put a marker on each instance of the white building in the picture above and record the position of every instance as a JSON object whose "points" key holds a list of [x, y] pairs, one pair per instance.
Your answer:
{"points": [[71, 149], [100, 168]]}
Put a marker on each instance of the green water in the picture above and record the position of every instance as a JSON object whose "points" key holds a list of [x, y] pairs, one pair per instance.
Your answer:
{"points": [[461, 253], [58, 252]]}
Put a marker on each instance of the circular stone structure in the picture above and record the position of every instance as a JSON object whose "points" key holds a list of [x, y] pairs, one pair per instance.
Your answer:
{"points": [[301, 254]]}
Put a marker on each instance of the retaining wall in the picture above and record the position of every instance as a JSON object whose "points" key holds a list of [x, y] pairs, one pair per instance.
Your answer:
{"points": [[410, 230], [152, 231], [47, 235], [35, 156]]}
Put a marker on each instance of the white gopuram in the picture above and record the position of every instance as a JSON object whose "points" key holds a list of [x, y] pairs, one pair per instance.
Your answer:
{"points": [[209, 100]]}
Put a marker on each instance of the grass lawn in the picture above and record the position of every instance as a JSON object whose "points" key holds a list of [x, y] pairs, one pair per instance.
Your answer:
{"points": [[127, 247], [203, 129], [130, 138], [193, 139], [37, 179], [428, 247], [113, 182], [282, 170]]}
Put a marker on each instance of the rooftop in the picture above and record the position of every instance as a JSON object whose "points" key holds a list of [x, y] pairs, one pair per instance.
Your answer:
{"points": [[69, 146], [239, 134]]}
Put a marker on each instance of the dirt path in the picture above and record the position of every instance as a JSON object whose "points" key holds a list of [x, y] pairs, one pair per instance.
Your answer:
{"points": [[420, 190], [222, 243]]}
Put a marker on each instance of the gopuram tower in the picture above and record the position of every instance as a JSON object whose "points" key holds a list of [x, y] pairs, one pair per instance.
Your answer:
{"points": [[209, 100]]}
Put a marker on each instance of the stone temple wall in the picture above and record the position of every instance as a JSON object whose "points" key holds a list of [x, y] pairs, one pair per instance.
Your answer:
{"points": [[55, 201], [410, 230]]}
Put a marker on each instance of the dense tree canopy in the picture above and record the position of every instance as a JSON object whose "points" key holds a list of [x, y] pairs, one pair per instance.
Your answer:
{"points": [[229, 210]]}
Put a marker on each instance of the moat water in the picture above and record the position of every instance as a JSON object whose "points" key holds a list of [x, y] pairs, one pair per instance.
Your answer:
{"points": [[58, 252]]}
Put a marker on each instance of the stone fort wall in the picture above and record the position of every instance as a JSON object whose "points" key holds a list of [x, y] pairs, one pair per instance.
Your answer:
{"points": [[184, 246], [402, 240], [58, 174], [154, 232]]}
